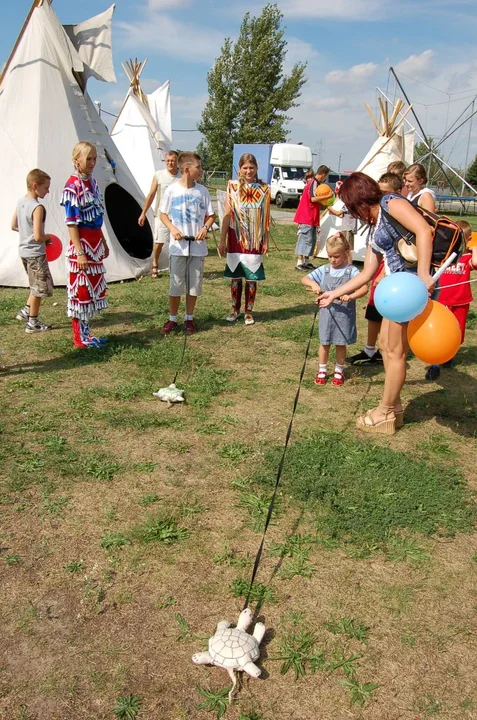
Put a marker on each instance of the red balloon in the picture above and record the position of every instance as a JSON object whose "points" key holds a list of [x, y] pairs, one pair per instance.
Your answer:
{"points": [[54, 248], [434, 336]]}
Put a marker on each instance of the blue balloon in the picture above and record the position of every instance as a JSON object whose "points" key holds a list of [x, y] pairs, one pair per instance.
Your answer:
{"points": [[401, 296]]}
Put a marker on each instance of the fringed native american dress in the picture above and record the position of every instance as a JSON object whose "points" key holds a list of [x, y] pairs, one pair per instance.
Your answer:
{"points": [[86, 289], [249, 205]]}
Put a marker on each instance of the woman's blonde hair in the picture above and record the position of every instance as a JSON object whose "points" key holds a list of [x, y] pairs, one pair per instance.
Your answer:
{"points": [[339, 243], [80, 149]]}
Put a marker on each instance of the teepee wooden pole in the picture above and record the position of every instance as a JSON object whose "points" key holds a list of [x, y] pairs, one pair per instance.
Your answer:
{"points": [[403, 117], [397, 109], [373, 118]]}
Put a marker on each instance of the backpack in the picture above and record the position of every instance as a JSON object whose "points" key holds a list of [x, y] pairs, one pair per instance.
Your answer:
{"points": [[447, 238]]}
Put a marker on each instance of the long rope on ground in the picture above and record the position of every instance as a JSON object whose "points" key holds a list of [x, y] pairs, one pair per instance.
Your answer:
{"points": [[282, 462]]}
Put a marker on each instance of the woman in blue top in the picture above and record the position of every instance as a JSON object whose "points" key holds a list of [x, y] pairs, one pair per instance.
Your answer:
{"points": [[364, 200]]}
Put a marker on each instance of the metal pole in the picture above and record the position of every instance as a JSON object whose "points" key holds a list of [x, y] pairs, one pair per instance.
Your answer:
{"points": [[466, 164], [426, 141]]}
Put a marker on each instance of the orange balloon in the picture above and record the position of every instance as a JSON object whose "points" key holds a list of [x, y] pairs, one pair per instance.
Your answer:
{"points": [[434, 336]]}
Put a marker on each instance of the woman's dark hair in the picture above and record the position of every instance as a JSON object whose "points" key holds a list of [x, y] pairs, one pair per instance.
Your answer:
{"points": [[360, 193]]}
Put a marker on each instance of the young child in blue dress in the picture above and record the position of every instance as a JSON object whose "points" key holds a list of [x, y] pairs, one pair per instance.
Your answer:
{"points": [[337, 324]]}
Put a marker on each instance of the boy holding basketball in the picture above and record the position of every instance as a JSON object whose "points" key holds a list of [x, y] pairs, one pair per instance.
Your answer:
{"points": [[29, 221], [307, 217]]}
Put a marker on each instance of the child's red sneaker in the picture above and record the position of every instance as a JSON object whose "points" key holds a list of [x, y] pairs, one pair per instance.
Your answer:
{"points": [[338, 378], [320, 378]]}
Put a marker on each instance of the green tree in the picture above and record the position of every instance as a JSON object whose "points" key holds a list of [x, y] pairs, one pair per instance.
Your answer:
{"points": [[433, 168], [249, 93], [471, 174], [218, 117]]}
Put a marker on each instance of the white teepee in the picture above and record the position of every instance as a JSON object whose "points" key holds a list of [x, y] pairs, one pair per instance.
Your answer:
{"points": [[142, 131], [392, 144], [44, 111]]}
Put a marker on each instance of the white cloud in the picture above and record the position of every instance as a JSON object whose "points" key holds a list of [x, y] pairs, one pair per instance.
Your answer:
{"points": [[417, 66], [160, 33], [168, 4], [357, 74], [299, 51], [367, 10], [328, 104]]}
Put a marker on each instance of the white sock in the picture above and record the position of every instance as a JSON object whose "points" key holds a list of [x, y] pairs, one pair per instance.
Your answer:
{"points": [[322, 368], [369, 350], [173, 318], [339, 369], [188, 317]]}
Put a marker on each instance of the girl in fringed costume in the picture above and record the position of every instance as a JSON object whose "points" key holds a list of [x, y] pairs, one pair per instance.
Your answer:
{"points": [[245, 235], [84, 210]]}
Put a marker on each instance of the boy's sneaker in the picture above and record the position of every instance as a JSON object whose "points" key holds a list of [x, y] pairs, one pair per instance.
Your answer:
{"points": [[190, 327], [23, 315], [433, 372], [36, 327], [362, 358], [301, 267], [309, 266], [168, 327]]}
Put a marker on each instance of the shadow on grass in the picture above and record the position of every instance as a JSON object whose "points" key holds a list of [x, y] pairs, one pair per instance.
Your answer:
{"points": [[453, 405], [76, 357]]}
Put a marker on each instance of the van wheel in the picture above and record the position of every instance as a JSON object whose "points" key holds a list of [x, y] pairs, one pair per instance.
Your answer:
{"points": [[279, 202]]}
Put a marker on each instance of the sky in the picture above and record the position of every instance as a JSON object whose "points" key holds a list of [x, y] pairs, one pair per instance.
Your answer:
{"points": [[348, 45]]}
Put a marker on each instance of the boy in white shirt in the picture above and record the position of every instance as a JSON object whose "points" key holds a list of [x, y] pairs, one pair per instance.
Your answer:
{"points": [[186, 211]]}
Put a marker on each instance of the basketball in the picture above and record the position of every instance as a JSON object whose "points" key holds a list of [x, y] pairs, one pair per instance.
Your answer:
{"points": [[473, 241], [325, 194]]}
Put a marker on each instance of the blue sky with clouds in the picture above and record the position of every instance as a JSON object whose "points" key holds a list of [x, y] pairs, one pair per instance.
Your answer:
{"points": [[348, 45]]}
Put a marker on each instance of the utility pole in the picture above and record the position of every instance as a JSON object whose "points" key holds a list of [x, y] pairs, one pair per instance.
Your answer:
{"points": [[339, 163]]}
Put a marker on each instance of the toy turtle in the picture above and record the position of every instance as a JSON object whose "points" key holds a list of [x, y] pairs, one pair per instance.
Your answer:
{"points": [[170, 394], [234, 649]]}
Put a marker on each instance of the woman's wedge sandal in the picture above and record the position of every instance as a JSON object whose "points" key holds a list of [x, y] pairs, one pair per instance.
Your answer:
{"points": [[385, 426]]}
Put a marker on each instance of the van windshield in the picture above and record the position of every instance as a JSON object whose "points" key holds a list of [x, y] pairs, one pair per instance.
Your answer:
{"points": [[293, 173]]}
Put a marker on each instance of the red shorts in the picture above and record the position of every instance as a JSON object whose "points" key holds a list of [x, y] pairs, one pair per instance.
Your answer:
{"points": [[460, 312]]}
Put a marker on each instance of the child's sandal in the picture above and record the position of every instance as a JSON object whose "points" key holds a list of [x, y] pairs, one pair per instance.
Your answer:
{"points": [[385, 426], [320, 378], [338, 378]]}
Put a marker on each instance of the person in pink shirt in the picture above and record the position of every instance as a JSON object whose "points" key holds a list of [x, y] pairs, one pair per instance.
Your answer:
{"points": [[307, 217]]}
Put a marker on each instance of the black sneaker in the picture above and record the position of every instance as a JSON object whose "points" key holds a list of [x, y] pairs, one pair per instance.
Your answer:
{"points": [[433, 372], [362, 358], [309, 266], [449, 363], [301, 267]]}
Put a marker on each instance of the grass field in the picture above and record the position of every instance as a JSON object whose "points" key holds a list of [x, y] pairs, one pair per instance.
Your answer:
{"points": [[129, 529]]}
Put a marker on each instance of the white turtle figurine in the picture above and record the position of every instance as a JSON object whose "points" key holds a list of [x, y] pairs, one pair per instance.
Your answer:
{"points": [[170, 394], [234, 649]]}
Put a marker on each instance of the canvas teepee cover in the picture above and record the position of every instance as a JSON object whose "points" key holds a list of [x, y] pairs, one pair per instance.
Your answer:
{"points": [[392, 144], [44, 111], [142, 131]]}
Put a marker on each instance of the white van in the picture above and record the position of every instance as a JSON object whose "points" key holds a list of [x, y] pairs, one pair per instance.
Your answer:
{"points": [[289, 165]]}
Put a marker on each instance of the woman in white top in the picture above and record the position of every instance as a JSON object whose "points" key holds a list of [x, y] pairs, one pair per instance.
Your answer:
{"points": [[419, 195]]}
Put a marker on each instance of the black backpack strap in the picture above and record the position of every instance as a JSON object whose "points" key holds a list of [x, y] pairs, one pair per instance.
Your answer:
{"points": [[404, 232]]}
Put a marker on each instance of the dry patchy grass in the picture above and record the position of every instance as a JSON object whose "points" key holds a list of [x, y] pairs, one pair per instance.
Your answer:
{"points": [[128, 529]]}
